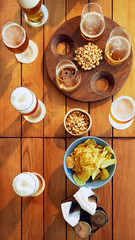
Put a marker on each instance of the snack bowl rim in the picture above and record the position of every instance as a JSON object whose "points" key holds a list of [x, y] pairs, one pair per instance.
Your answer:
{"points": [[81, 110], [91, 184]]}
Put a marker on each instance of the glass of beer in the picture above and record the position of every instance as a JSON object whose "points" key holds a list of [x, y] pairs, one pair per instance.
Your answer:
{"points": [[26, 103], [16, 40], [28, 184], [118, 46], [68, 76], [92, 23], [122, 112], [36, 14]]}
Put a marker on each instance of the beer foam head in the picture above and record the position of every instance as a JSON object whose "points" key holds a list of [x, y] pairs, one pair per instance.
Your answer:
{"points": [[28, 4], [21, 98], [24, 184], [13, 34], [124, 108], [92, 24]]}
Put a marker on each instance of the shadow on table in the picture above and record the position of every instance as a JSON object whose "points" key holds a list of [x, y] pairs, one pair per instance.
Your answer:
{"points": [[6, 149], [7, 69], [56, 195], [10, 218], [56, 229]]}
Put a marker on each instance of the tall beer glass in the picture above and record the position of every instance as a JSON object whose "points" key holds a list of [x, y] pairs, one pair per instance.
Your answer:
{"points": [[28, 184], [36, 14], [16, 40], [122, 112], [26, 103], [92, 23], [118, 46]]}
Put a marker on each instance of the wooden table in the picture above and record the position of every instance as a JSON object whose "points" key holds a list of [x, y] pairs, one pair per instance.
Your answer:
{"points": [[40, 147]]}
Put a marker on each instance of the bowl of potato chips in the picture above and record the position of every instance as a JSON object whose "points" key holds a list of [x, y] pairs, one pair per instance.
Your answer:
{"points": [[89, 162]]}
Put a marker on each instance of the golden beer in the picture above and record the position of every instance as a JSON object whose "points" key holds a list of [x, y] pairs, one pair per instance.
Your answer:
{"points": [[26, 103], [92, 26], [33, 10], [118, 46], [117, 50], [15, 37], [92, 23]]}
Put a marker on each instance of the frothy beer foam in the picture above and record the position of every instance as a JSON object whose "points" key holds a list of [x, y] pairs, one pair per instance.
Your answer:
{"points": [[25, 184], [28, 4], [92, 24], [13, 35], [23, 100], [123, 108]]}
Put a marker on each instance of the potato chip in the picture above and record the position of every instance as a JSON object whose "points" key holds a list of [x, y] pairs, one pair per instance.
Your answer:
{"points": [[85, 173], [78, 181], [108, 162], [104, 174], [70, 162], [96, 174]]}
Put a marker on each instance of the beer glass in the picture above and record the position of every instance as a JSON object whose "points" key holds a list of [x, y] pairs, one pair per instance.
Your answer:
{"points": [[68, 77], [36, 14], [118, 46], [92, 23], [26, 103], [28, 184], [122, 112], [16, 40]]}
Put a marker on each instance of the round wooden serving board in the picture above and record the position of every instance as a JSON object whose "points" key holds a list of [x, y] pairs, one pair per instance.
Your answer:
{"points": [[115, 76]]}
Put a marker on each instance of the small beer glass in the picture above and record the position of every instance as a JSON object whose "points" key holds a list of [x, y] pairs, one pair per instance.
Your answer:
{"points": [[118, 46], [16, 40], [28, 184], [92, 23], [68, 76], [36, 14], [26, 103], [122, 112]]}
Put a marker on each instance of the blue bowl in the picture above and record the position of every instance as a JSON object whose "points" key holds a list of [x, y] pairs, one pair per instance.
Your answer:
{"points": [[91, 184]]}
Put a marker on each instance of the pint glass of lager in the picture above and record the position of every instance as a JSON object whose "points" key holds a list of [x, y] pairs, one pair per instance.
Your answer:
{"points": [[16, 40], [36, 13], [118, 46], [122, 112], [26, 103], [28, 184], [92, 23]]}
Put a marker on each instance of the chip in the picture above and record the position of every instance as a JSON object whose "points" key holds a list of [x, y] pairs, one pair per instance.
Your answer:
{"points": [[104, 174], [90, 160], [78, 181]]}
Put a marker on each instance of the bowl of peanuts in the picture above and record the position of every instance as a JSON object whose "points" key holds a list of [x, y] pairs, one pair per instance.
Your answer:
{"points": [[77, 122]]}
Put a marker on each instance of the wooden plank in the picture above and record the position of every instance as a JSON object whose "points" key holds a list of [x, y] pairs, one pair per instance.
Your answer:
{"points": [[99, 110], [105, 201], [10, 203], [32, 207], [10, 76], [74, 8], [123, 13], [104, 195], [32, 77], [124, 191], [54, 100], [55, 226]]}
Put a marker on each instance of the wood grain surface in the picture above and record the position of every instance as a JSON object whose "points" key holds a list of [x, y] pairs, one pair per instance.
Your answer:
{"points": [[40, 147]]}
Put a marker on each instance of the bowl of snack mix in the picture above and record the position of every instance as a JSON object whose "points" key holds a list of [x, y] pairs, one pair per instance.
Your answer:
{"points": [[89, 162], [77, 122]]}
